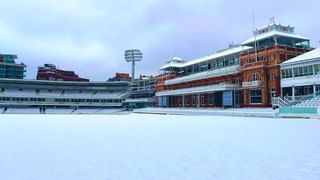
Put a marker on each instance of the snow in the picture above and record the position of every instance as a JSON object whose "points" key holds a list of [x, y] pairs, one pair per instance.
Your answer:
{"points": [[157, 147], [222, 53], [239, 112], [272, 34]]}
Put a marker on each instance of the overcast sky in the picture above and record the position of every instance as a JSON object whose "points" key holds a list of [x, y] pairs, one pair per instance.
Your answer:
{"points": [[90, 36]]}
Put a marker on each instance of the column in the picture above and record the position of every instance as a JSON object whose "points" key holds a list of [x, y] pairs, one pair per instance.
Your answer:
{"points": [[198, 100], [275, 40], [293, 96], [182, 100], [314, 90]]}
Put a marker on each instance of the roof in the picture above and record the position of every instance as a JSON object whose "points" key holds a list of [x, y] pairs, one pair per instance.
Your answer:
{"points": [[222, 53], [314, 54], [272, 34], [63, 83]]}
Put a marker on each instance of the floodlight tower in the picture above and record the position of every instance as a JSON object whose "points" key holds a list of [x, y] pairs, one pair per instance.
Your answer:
{"points": [[133, 56]]}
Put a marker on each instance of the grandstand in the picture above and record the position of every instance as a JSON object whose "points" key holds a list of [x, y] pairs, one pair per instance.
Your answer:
{"points": [[59, 96]]}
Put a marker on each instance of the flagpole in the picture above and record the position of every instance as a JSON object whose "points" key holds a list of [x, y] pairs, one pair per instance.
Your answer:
{"points": [[255, 36]]}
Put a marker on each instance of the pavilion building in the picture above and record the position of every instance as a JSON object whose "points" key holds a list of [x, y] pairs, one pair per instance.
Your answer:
{"points": [[245, 75]]}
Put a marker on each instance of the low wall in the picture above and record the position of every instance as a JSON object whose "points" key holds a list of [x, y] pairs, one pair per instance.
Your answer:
{"points": [[204, 112], [299, 110]]}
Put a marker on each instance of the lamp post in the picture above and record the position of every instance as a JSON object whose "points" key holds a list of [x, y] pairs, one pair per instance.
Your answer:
{"points": [[133, 56]]}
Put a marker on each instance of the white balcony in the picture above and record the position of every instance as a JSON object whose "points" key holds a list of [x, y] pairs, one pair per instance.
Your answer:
{"points": [[251, 84], [205, 75], [200, 89]]}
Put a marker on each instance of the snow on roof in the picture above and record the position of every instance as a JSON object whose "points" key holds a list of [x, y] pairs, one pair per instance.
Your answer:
{"points": [[273, 24], [222, 53], [314, 54], [174, 62], [271, 34]]}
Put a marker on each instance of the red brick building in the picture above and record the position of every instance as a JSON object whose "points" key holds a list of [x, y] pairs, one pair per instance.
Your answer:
{"points": [[51, 73], [245, 75]]}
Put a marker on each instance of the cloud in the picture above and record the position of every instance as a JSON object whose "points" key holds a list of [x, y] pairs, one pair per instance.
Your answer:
{"points": [[90, 36]]}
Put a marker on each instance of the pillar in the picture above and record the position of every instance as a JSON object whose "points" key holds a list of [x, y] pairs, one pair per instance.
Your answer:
{"points": [[182, 100], [293, 95], [198, 100]]}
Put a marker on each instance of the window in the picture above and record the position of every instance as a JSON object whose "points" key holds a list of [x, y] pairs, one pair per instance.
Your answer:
{"points": [[196, 68], [272, 77], [5, 99], [255, 96], [317, 69], [302, 71], [272, 57], [209, 66], [2, 89], [211, 99], [202, 100], [187, 100], [180, 100], [286, 73], [204, 66], [255, 77], [287, 91], [189, 69], [194, 99], [303, 90]]}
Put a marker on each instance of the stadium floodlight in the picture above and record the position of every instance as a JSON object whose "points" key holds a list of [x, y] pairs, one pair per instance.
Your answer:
{"points": [[133, 56]]}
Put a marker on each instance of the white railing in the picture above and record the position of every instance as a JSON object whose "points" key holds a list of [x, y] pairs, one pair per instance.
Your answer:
{"points": [[251, 84], [204, 75], [289, 101]]}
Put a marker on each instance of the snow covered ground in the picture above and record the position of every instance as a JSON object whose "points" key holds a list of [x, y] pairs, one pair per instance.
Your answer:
{"points": [[152, 147]]}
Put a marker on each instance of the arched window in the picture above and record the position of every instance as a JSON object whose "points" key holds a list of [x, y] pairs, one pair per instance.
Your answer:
{"points": [[255, 77]]}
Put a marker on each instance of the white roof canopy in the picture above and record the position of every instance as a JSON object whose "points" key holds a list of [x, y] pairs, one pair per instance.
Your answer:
{"points": [[272, 34], [229, 51]]}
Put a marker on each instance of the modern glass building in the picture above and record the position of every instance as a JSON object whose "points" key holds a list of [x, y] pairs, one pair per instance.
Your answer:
{"points": [[9, 69]]}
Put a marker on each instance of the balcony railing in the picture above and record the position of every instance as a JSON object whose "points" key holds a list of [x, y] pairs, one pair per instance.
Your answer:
{"points": [[251, 84], [205, 75]]}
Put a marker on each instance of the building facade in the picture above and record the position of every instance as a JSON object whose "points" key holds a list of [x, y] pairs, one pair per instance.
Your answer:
{"points": [[142, 93], [300, 76], [245, 75], [260, 68], [50, 73], [120, 77], [211, 81], [40, 93], [10, 69]]}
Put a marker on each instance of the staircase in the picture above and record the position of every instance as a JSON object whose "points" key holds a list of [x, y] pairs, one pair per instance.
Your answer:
{"points": [[313, 102], [306, 106]]}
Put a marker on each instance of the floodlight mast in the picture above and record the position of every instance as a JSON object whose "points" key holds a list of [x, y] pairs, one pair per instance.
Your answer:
{"points": [[133, 56]]}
